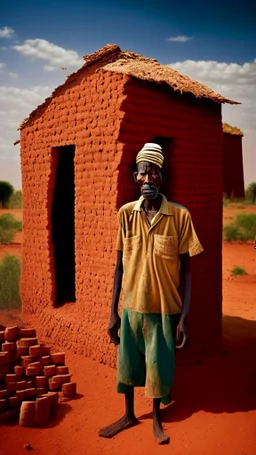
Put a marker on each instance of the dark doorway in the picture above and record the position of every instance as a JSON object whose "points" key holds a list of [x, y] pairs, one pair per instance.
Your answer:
{"points": [[63, 229], [167, 144]]}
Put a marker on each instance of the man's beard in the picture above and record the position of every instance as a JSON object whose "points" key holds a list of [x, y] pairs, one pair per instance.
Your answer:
{"points": [[149, 191]]}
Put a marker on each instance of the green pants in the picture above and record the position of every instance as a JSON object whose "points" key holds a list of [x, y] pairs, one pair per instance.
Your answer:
{"points": [[146, 353]]}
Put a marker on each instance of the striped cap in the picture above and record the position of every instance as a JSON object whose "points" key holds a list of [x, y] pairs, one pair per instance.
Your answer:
{"points": [[152, 153]]}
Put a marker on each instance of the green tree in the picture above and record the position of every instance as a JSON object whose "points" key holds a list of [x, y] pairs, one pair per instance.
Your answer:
{"points": [[6, 191], [251, 192], [8, 227], [15, 201]]}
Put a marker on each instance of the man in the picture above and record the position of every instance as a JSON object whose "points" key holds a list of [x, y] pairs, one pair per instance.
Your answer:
{"points": [[154, 242]]}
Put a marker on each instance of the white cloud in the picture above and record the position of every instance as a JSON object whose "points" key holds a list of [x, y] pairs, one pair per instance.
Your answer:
{"points": [[55, 56], [4, 72], [13, 75], [6, 32], [49, 68], [16, 104], [236, 82], [180, 39]]}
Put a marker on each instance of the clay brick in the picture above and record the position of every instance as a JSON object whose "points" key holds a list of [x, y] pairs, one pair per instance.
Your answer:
{"points": [[69, 389], [42, 390], [11, 378], [33, 370], [42, 410], [22, 351], [53, 385], [54, 397], [26, 342], [3, 393], [62, 378], [11, 387], [41, 381], [19, 370], [21, 394], [31, 392], [35, 350], [46, 360], [58, 358], [63, 369], [6, 358], [11, 333], [14, 402], [3, 404], [9, 346], [28, 414], [27, 360], [49, 370], [20, 385], [37, 364], [27, 333]]}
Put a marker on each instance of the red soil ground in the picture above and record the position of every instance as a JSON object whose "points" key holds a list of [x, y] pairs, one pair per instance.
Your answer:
{"points": [[214, 407]]}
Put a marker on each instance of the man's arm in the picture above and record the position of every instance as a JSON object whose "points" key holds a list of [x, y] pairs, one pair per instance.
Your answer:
{"points": [[186, 280], [115, 320]]}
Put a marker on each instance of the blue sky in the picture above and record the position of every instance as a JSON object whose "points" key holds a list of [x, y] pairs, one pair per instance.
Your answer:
{"points": [[211, 41]]}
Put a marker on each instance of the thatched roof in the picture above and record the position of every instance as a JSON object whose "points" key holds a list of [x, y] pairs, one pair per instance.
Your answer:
{"points": [[228, 129], [112, 58]]}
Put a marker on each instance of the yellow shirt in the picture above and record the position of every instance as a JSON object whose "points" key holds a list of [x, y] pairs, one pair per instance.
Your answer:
{"points": [[151, 255]]}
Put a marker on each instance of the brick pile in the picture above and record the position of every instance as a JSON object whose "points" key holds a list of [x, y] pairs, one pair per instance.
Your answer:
{"points": [[31, 377]]}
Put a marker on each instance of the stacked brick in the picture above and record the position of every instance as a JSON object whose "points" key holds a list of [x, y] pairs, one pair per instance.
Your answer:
{"points": [[31, 377]]}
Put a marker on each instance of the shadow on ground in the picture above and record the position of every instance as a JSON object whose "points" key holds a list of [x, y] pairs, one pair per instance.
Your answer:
{"points": [[223, 383]]}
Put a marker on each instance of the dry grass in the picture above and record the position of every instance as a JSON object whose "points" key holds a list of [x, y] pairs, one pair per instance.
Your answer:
{"points": [[231, 130], [112, 58]]}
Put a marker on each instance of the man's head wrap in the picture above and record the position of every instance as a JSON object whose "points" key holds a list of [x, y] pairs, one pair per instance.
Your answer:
{"points": [[152, 153]]}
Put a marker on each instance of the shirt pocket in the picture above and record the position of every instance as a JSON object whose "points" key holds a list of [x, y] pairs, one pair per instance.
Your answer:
{"points": [[131, 245], [166, 246]]}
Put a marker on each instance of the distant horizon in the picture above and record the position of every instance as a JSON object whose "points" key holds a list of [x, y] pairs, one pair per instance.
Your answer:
{"points": [[41, 43]]}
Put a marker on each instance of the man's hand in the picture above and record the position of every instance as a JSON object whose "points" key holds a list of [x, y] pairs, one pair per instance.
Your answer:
{"points": [[181, 334], [114, 325]]}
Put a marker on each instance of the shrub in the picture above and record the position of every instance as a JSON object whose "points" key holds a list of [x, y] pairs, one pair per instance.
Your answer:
{"points": [[6, 190], [238, 271], [243, 228], [8, 227], [230, 233], [10, 269], [15, 201], [250, 192]]}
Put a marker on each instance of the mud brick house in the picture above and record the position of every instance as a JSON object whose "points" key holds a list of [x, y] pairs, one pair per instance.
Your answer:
{"points": [[233, 171], [77, 155]]}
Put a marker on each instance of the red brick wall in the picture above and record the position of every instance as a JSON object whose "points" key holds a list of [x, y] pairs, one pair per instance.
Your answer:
{"points": [[233, 173], [85, 113], [193, 167], [89, 113]]}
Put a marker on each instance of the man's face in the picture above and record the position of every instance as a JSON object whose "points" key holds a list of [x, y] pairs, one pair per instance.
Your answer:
{"points": [[149, 178]]}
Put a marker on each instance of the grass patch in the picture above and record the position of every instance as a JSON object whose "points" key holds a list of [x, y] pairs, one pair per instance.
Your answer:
{"points": [[10, 269], [238, 271], [8, 228], [242, 229]]}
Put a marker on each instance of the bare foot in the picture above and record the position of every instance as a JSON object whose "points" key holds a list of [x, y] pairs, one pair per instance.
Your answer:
{"points": [[159, 434], [120, 425]]}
